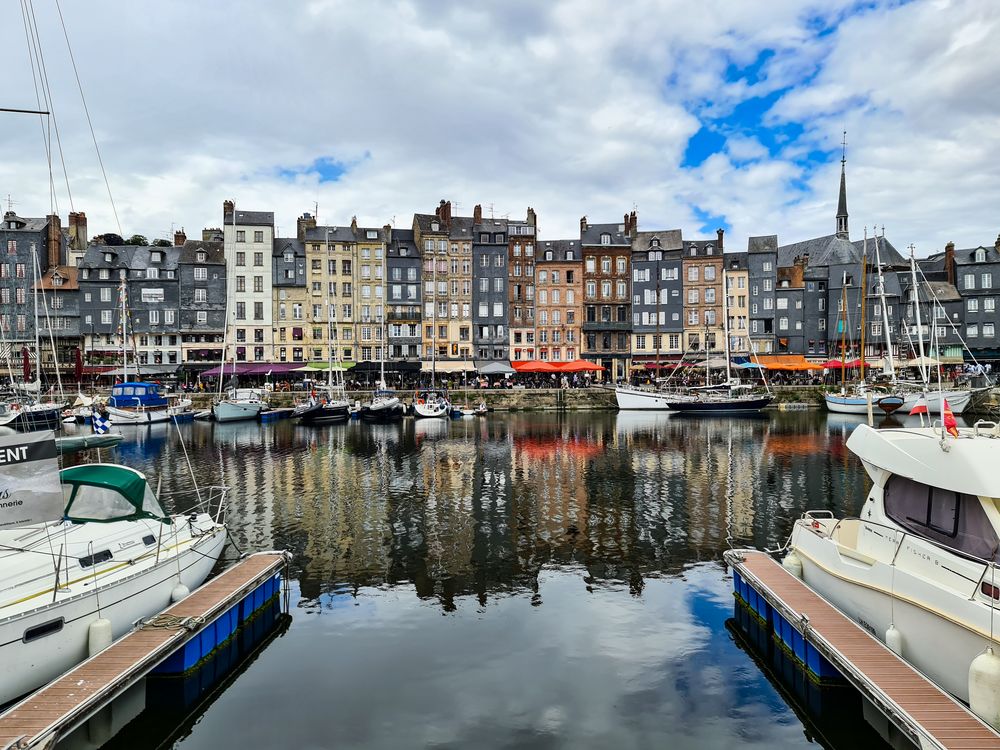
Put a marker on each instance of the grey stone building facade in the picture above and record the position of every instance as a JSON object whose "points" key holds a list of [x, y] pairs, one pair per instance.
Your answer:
{"points": [[201, 269], [977, 276], [29, 246], [657, 295], [490, 340], [403, 296], [762, 270]]}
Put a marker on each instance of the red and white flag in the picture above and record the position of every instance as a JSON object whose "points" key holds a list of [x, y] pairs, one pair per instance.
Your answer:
{"points": [[948, 418], [920, 407]]}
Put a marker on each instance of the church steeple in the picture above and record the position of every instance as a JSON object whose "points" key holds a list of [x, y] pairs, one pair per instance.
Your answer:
{"points": [[842, 230]]}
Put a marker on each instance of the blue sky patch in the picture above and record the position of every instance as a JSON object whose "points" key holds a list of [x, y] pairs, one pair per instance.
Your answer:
{"points": [[710, 222], [326, 167]]}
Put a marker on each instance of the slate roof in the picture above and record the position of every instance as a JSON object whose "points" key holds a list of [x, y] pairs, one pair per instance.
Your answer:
{"points": [[887, 252], [337, 234], [30, 224], [213, 250], [944, 291], [254, 218], [932, 264], [670, 239], [559, 249], [736, 261], [403, 238], [765, 243], [281, 244], [592, 235], [701, 248], [832, 250], [967, 256]]}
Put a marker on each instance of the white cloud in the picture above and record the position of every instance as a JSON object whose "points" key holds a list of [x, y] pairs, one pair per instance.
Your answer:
{"points": [[572, 108]]}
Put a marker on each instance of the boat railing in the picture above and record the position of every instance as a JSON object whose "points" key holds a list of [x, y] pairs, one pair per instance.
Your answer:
{"points": [[206, 499], [989, 566]]}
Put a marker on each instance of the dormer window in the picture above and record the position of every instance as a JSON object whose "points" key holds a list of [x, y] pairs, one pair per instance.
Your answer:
{"points": [[655, 242], [694, 251], [156, 257], [484, 236], [980, 255], [605, 238], [548, 255], [109, 257], [290, 256], [57, 280], [435, 226], [709, 249], [498, 239], [84, 273], [404, 250], [371, 234], [201, 256]]}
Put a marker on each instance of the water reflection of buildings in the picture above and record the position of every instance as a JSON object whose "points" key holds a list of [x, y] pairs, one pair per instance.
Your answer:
{"points": [[481, 506]]}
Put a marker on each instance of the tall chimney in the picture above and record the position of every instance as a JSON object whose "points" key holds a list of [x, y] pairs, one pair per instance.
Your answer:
{"points": [[583, 225], [720, 233], [477, 214], [228, 207], [55, 241], [180, 238], [532, 218], [78, 232], [387, 231], [446, 214], [996, 245], [304, 223], [949, 262], [354, 224], [634, 220]]}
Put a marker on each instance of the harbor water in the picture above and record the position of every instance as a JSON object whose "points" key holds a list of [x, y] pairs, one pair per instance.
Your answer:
{"points": [[536, 580]]}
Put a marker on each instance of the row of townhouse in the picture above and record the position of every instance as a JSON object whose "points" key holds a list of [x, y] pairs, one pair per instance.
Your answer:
{"points": [[467, 289]]}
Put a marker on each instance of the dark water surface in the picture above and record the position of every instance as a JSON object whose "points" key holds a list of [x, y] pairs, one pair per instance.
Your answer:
{"points": [[535, 581]]}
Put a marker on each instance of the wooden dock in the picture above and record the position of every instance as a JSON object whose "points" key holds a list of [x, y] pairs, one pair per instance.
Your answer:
{"points": [[928, 716], [52, 712]]}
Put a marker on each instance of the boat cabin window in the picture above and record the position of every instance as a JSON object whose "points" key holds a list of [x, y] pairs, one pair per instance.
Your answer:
{"points": [[98, 557], [140, 391], [123, 391], [952, 519], [40, 631], [92, 503]]}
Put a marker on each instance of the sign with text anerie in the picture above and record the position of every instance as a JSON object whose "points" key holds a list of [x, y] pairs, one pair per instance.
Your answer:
{"points": [[30, 492]]}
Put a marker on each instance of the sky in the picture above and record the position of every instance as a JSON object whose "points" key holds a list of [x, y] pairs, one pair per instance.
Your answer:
{"points": [[697, 115]]}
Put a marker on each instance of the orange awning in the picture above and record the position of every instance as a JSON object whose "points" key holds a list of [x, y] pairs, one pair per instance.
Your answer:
{"points": [[786, 362]]}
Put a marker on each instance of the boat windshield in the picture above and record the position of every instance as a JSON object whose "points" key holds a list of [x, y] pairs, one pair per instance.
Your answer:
{"points": [[955, 520]]}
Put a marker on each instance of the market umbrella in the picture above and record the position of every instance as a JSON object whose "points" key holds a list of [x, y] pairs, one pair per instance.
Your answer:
{"points": [[836, 364], [25, 363], [535, 365], [580, 365], [496, 368]]}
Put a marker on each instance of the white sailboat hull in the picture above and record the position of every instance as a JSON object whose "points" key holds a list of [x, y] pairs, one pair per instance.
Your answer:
{"points": [[957, 401], [637, 398], [148, 416], [845, 404], [30, 665], [235, 411]]}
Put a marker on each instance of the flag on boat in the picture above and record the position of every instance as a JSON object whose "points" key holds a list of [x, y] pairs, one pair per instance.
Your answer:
{"points": [[100, 424], [920, 407], [948, 418]]}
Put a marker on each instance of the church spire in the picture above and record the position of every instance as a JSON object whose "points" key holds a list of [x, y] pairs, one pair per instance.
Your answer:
{"points": [[842, 229]]}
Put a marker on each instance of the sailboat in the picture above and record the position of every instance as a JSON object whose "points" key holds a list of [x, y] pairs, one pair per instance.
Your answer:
{"points": [[84, 554], [958, 398], [856, 400], [23, 412], [732, 397], [331, 406], [140, 402], [239, 403], [385, 405]]}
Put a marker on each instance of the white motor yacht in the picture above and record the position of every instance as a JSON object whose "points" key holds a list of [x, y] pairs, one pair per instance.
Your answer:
{"points": [[918, 568], [240, 404]]}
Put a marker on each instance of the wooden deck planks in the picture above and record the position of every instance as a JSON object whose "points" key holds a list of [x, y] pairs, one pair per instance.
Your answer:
{"points": [[119, 661], [953, 725]]}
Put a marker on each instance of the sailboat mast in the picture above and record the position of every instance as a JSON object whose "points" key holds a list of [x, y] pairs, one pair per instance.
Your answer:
{"points": [[329, 338], [121, 293], [885, 313], [916, 307], [725, 321], [843, 334], [864, 300], [38, 351]]}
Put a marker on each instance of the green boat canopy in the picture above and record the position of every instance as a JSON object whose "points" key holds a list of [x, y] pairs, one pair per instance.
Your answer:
{"points": [[107, 492]]}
